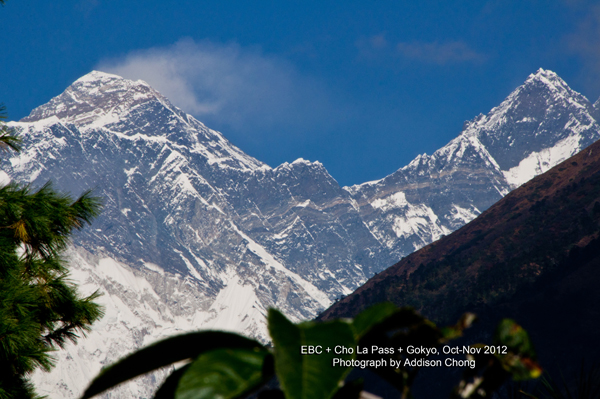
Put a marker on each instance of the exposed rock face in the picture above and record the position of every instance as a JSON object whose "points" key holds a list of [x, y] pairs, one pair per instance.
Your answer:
{"points": [[214, 237]]}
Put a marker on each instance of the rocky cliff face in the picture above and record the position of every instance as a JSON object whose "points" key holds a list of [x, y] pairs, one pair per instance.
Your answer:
{"points": [[197, 234]]}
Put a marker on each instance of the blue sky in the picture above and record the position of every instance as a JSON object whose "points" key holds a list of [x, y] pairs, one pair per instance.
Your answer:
{"points": [[362, 86]]}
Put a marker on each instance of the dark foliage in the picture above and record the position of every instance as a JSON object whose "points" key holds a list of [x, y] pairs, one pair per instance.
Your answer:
{"points": [[40, 309], [228, 366]]}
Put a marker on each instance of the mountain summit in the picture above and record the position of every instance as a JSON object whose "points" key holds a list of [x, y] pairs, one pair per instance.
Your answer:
{"points": [[540, 124], [102, 101], [197, 234], [94, 97]]}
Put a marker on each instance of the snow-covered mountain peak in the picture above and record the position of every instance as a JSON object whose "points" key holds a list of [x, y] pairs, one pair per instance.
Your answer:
{"points": [[540, 91], [547, 74], [300, 164], [108, 105], [300, 161], [97, 98], [549, 81], [101, 77], [306, 162], [541, 123]]}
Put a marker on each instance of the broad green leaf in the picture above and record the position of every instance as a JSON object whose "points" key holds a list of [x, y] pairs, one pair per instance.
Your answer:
{"points": [[309, 376], [222, 374], [164, 353], [372, 316]]}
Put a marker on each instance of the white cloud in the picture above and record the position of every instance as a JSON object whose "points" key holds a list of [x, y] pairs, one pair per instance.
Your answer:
{"points": [[239, 87]]}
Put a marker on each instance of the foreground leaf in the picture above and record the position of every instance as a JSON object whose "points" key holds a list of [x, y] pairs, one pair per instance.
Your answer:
{"points": [[367, 319], [309, 376], [164, 353], [222, 374]]}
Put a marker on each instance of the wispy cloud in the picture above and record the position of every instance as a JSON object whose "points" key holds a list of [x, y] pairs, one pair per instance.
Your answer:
{"points": [[439, 53], [227, 84]]}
